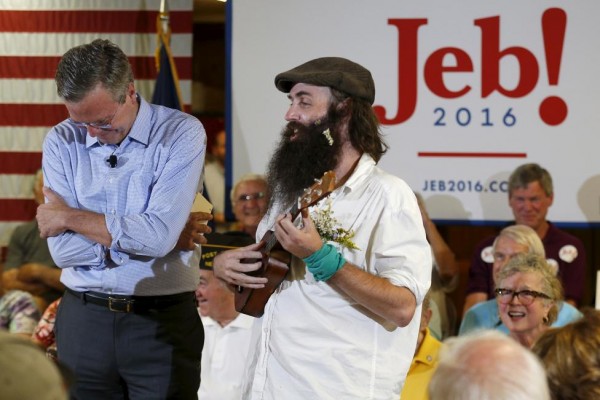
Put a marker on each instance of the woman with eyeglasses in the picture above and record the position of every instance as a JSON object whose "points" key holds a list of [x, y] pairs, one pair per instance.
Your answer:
{"points": [[512, 240], [528, 294]]}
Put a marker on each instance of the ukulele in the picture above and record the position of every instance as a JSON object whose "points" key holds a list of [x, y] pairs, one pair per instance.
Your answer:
{"points": [[252, 301]]}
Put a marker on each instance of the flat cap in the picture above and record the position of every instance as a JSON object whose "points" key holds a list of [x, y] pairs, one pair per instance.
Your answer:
{"points": [[335, 72]]}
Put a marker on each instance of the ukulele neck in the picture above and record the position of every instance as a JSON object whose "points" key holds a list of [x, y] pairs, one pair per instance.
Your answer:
{"points": [[272, 240]]}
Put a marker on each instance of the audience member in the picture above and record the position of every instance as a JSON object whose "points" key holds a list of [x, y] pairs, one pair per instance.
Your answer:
{"points": [[43, 334], [250, 200], [19, 313], [530, 195], [425, 360], [214, 177], [29, 265], [512, 240], [487, 365], [528, 293], [341, 325], [226, 332], [122, 175], [26, 373], [571, 357], [444, 279]]}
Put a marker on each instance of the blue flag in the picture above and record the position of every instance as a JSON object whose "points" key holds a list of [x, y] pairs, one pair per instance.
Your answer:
{"points": [[166, 90]]}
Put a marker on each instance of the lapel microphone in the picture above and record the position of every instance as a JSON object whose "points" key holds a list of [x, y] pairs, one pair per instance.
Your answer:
{"points": [[112, 161]]}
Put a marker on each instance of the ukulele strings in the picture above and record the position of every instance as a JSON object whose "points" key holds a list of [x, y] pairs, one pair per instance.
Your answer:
{"points": [[304, 199], [273, 240]]}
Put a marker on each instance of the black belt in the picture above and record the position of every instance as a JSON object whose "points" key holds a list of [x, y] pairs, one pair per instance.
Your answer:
{"points": [[121, 303]]}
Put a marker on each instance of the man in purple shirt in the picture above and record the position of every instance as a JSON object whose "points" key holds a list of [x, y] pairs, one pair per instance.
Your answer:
{"points": [[530, 194]]}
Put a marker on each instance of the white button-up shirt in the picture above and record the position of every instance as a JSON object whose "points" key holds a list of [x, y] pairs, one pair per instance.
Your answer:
{"points": [[314, 342]]}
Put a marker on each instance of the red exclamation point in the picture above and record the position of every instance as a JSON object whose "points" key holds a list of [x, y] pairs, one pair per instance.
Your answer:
{"points": [[553, 109]]}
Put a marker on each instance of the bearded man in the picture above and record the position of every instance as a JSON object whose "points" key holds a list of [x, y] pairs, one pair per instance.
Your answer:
{"points": [[341, 324]]}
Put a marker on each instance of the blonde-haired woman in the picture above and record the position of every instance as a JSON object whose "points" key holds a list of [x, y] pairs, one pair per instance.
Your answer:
{"points": [[528, 295]]}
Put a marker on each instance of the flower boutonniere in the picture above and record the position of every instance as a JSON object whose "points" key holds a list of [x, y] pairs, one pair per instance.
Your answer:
{"points": [[329, 228]]}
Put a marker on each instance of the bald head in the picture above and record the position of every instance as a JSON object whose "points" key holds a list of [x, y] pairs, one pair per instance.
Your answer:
{"points": [[487, 365]]}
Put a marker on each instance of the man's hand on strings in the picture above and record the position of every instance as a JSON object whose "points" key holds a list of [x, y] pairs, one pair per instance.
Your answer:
{"points": [[301, 241]]}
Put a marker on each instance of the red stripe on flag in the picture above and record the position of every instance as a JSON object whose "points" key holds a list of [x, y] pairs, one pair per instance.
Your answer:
{"points": [[471, 155], [45, 67], [92, 21], [38, 114], [17, 209], [25, 163], [28, 67], [32, 114]]}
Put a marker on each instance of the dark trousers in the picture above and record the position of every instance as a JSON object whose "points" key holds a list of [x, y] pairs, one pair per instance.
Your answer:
{"points": [[150, 355]]}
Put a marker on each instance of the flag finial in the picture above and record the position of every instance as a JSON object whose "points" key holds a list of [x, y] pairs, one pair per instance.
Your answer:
{"points": [[164, 15]]}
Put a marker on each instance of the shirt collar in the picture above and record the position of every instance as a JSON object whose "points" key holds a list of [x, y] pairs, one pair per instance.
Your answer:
{"points": [[364, 165], [140, 130], [427, 353], [242, 321]]}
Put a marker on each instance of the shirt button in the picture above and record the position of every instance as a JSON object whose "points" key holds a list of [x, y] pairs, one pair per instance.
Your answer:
{"points": [[110, 180], [112, 211]]}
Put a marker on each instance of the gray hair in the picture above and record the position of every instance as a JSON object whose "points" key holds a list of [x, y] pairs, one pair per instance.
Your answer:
{"points": [[83, 67], [525, 236], [246, 178], [528, 173], [487, 365]]}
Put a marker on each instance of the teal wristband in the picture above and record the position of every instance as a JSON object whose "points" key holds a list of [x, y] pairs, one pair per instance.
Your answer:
{"points": [[325, 262]]}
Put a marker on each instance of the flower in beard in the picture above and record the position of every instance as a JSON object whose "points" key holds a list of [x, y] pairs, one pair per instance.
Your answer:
{"points": [[303, 155], [327, 134]]}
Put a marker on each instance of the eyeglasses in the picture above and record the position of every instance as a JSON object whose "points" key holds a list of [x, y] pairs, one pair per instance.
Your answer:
{"points": [[103, 127], [526, 297], [251, 196]]}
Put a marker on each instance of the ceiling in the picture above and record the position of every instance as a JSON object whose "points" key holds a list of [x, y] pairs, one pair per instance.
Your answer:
{"points": [[209, 11]]}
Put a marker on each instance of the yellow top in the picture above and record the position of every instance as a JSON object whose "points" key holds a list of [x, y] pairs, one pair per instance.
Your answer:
{"points": [[421, 369]]}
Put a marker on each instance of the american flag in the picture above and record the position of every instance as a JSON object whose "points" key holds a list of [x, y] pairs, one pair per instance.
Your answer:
{"points": [[35, 34]]}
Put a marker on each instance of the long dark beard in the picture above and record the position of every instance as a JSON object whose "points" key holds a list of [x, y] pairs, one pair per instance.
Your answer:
{"points": [[297, 163]]}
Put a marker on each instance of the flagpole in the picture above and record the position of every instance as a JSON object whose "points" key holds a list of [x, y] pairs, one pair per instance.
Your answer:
{"points": [[164, 19], [167, 90]]}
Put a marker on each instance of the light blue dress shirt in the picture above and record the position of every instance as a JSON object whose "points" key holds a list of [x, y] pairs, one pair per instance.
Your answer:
{"points": [[485, 316], [146, 200]]}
